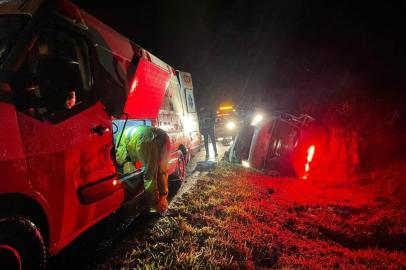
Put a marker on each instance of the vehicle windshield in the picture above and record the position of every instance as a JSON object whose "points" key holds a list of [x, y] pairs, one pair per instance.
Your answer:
{"points": [[223, 119], [10, 27]]}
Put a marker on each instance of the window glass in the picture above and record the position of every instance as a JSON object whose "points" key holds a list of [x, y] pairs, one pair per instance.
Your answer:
{"points": [[166, 102], [10, 26], [243, 143], [55, 77]]}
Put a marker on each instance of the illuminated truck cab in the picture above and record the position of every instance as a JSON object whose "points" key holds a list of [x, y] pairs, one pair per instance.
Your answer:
{"points": [[227, 123]]}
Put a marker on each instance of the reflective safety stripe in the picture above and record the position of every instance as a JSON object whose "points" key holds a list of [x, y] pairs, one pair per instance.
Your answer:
{"points": [[129, 132]]}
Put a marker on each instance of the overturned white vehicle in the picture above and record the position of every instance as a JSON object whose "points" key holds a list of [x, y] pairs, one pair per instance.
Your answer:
{"points": [[280, 144]]}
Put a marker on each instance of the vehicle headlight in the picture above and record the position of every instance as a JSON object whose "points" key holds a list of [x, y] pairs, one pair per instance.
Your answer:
{"points": [[230, 125], [257, 118]]}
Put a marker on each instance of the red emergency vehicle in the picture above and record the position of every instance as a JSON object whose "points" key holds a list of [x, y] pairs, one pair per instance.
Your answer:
{"points": [[68, 82]]}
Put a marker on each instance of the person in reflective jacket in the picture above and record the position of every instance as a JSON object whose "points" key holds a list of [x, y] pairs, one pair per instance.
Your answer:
{"points": [[150, 145]]}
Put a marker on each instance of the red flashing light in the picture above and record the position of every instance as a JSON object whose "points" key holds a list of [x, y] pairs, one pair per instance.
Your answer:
{"points": [[310, 154], [138, 164], [307, 167]]}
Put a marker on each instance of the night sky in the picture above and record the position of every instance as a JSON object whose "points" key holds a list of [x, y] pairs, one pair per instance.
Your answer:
{"points": [[281, 55]]}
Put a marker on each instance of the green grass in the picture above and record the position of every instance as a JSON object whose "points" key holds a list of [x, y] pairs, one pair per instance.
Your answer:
{"points": [[229, 220]]}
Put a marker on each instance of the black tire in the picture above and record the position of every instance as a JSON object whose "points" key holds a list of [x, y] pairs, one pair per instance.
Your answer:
{"points": [[21, 245], [186, 154], [180, 173]]}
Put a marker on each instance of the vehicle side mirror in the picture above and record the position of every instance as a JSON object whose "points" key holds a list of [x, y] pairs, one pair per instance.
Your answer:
{"points": [[5, 87], [7, 95]]}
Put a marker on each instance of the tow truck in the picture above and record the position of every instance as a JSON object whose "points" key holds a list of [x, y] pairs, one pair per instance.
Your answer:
{"points": [[227, 123]]}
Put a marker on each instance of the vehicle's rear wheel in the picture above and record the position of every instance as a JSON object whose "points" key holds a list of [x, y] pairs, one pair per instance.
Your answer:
{"points": [[21, 245], [186, 154], [180, 173]]}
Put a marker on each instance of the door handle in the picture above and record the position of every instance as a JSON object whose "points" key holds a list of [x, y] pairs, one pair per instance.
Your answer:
{"points": [[99, 130]]}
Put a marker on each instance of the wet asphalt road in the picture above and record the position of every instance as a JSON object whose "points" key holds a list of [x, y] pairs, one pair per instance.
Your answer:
{"points": [[95, 245]]}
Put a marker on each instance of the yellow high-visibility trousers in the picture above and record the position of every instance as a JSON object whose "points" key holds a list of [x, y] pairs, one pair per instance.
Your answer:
{"points": [[150, 145], [154, 156]]}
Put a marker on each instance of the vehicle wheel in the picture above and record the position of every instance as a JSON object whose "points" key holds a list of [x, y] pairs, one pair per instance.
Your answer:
{"points": [[181, 167], [186, 154], [21, 245]]}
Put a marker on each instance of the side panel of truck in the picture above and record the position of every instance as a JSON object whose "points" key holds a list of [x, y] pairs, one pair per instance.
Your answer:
{"points": [[64, 150], [12, 164], [170, 120], [60, 159], [189, 118]]}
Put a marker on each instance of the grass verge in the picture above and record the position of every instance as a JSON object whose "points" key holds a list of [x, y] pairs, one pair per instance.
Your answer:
{"points": [[238, 219]]}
